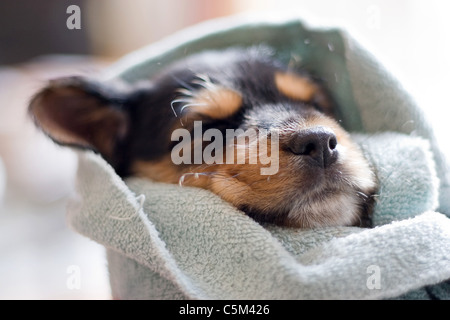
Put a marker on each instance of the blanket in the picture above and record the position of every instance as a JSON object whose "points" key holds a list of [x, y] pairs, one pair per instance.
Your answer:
{"points": [[169, 242]]}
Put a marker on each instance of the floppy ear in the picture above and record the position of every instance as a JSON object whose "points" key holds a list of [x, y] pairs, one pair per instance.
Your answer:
{"points": [[78, 112]]}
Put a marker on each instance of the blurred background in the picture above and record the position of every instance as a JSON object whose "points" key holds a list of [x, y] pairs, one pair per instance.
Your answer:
{"points": [[40, 257]]}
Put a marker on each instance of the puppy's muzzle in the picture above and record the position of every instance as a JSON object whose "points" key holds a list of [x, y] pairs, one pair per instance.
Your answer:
{"points": [[317, 145]]}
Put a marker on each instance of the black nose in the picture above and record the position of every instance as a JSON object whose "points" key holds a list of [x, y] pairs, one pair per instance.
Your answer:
{"points": [[318, 144]]}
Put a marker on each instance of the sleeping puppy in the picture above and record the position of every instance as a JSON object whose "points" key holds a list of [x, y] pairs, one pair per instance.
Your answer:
{"points": [[235, 122]]}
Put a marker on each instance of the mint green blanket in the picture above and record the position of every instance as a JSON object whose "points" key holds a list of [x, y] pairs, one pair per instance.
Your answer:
{"points": [[168, 242]]}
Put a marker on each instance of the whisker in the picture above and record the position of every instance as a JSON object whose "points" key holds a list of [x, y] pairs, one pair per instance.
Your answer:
{"points": [[185, 92], [173, 108], [362, 194], [204, 81], [195, 174], [203, 77], [192, 105]]}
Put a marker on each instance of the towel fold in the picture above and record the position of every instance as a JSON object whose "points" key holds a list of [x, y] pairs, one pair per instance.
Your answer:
{"points": [[165, 241], [407, 170]]}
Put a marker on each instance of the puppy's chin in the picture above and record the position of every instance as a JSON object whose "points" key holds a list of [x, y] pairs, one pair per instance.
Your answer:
{"points": [[333, 208], [341, 197]]}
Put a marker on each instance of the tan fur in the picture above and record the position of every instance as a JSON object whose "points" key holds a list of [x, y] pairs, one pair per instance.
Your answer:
{"points": [[302, 89], [212, 100], [163, 170], [242, 184], [218, 103], [295, 87]]}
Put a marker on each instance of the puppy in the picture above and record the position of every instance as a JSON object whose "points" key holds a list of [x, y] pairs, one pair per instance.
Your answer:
{"points": [[316, 176]]}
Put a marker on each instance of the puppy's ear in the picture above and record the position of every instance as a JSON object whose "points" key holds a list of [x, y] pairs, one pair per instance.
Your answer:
{"points": [[79, 112]]}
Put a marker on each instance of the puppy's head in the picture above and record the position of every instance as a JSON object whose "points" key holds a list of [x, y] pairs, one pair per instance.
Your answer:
{"points": [[236, 122]]}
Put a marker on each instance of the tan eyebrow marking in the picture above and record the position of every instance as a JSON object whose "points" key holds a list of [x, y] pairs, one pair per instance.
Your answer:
{"points": [[295, 87], [217, 102], [213, 100]]}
